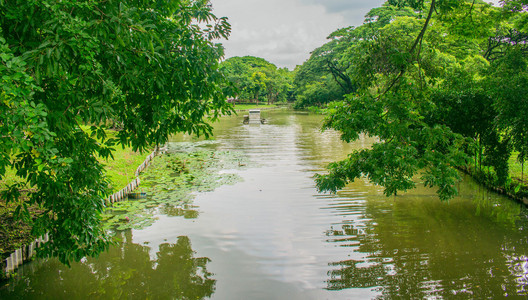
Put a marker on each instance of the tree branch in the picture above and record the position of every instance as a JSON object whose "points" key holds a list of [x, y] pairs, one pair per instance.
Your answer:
{"points": [[424, 29], [418, 40]]}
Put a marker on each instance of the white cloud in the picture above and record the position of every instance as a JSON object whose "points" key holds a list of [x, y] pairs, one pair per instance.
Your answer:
{"points": [[285, 31]]}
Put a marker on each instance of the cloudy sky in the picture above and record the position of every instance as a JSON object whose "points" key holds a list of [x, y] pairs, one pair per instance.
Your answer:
{"points": [[285, 31]]}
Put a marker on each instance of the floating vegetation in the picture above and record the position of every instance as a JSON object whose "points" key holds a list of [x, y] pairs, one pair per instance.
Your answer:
{"points": [[171, 182], [129, 214]]}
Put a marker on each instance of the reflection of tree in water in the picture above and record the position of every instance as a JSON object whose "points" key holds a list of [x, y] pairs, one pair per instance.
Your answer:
{"points": [[517, 261], [123, 272], [188, 276], [350, 275], [420, 249], [186, 211]]}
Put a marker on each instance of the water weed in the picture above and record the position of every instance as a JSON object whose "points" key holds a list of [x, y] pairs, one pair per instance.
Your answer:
{"points": [[172, 181]]}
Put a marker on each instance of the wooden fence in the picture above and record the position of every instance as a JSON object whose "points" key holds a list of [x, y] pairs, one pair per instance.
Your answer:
{"points": [[123, 193], [22, 254]]}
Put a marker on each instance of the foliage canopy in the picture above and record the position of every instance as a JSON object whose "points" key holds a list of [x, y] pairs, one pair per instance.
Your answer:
{"points": [[253, 78], [149, 68], [440, 83]]}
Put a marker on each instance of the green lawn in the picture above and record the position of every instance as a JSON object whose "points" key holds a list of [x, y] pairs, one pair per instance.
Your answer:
{"points": [[121, 169], [516, 168], [13, 233], [252, 106]]}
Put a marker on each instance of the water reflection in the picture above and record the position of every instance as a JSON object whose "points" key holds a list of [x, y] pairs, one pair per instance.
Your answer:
{"points": [[412, 246], [187, 211], [415, 246], [272, 236], [126, 271]]}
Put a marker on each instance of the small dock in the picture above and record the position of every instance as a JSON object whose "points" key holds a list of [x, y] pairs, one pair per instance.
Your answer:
{"points": [[254, 117]]}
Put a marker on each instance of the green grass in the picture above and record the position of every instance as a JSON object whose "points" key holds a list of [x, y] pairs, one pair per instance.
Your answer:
{"points": [[13, 233], [10, 178], [120, 170], [252, 106], [516, 168]]}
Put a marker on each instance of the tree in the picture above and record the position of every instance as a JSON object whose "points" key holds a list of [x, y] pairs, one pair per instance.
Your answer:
{"points": [[334, 66], [258, 84], [237, 75], [400, 68], [254, 77], [147, 65], [284, 85], [508, 80], [324, 69]]}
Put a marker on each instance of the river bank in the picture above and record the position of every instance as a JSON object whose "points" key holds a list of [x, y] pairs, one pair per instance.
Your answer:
{"points": [[16, 233], [192, 169], [514, 188], [180, 166]]}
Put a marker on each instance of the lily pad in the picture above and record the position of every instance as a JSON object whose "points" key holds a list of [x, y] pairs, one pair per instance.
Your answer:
{"points": [[171, 182]]}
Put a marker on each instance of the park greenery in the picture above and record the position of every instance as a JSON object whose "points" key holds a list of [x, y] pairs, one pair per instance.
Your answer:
{"points": [[253, 79], [440, 83], [146, 68]]}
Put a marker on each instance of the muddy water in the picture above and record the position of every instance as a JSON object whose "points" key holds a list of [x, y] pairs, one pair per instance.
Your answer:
{"points": [[272, 236]]}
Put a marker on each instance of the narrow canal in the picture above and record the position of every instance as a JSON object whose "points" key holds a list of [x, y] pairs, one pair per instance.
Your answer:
{"points": [[272, 236]]}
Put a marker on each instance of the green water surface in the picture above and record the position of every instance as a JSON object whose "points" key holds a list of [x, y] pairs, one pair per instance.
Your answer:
{"points": [[270, 235]]}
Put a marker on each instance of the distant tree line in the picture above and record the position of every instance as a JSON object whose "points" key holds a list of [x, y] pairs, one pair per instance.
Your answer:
{"points": [[441, 83], [253, 79]]}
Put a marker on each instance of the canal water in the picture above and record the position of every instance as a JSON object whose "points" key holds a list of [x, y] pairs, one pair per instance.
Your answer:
{"points": [[272, 236]]}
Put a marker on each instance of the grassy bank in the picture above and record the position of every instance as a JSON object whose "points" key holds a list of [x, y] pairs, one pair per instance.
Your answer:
{"points": [[517, 170], [240, 107], [515, 187], [15, 233], [120, 171]]}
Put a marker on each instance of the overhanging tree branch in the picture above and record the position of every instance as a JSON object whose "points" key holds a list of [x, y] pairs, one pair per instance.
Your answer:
{"points": [[417, 41]]}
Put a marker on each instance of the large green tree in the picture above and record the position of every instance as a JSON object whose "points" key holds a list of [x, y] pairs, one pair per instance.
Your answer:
{"points": [[253, 78], [150, 66], [418, 73], [323, 77], [332, 69]]}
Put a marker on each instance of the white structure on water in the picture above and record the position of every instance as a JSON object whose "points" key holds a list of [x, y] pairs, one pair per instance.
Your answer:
{"points": [[254, 116]]}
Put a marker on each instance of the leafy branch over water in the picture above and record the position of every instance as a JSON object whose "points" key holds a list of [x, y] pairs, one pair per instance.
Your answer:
{"points": [[171, 183]]}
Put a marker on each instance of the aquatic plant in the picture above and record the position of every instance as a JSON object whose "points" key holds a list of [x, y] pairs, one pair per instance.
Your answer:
{"points": [[172, 181]]}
